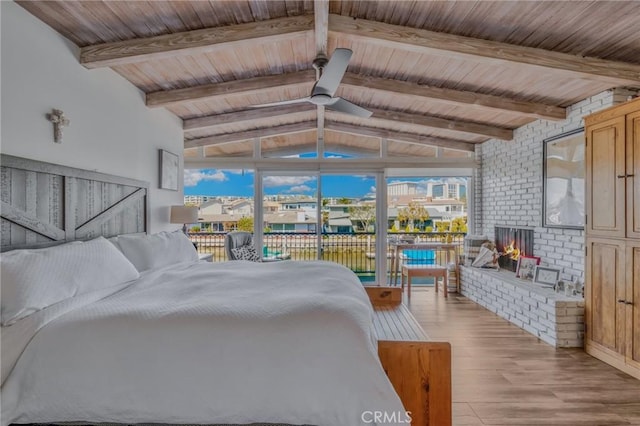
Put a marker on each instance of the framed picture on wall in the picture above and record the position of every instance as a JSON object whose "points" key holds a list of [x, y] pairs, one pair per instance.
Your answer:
{"points": [[563, 180], [527, 266], [169, 168]]}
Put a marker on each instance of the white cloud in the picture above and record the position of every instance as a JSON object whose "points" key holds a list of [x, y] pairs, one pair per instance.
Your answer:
{"points": [[271, 181], [372, 189], [299, 189], [193, 177]]}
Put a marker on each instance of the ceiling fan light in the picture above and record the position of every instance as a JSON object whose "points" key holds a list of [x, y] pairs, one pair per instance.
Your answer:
{"points": [[321, 99]]}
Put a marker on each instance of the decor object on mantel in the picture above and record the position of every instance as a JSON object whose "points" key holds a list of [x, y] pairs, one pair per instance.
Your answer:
{"points": [[472, 245], [184, 215], [59, 121], [487, 257], [527, 266], [546, 276]]}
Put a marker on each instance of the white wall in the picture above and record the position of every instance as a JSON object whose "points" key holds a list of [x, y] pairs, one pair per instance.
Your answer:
{"points": [[510, 185], [111, 131]]}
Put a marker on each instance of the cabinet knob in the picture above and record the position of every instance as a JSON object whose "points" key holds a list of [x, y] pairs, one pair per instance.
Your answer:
{"points": [[626, 302], [622, 301], [631, 175], [622, 176]]}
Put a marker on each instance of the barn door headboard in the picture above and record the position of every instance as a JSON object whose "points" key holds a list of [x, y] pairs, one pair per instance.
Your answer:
{"points": [[45, 204]]}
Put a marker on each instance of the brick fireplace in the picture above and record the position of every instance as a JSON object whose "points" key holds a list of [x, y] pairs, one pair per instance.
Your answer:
{"points": [[512, 242]]}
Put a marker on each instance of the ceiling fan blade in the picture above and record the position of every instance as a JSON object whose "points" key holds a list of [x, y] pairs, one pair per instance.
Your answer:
{"points": [[289, 102], [342, 105], [332, 73]]}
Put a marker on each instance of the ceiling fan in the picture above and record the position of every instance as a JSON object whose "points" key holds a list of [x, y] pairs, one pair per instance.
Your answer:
{"points": [[324, 89]]}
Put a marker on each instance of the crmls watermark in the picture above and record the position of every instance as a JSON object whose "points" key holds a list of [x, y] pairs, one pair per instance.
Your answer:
{"points": [[385, 417]]}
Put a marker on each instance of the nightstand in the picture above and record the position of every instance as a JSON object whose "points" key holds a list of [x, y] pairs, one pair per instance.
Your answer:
{"points": [[206, 256]]}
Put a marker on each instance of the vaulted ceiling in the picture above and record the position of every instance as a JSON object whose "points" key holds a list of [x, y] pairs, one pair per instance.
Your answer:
{"points": [[438, 76]]}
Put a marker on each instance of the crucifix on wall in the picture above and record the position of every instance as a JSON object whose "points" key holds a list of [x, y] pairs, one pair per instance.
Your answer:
{"points": [[56, 116]]}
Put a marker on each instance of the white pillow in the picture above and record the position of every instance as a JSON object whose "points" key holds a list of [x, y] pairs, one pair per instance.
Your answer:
{"points": [[35, 279], [157, 250]]}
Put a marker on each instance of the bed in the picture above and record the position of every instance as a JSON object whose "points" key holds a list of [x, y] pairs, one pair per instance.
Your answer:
{"points": [[187, 342]]}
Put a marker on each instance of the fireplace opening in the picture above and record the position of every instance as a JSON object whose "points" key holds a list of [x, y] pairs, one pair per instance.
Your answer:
{"points": [[512, 243]]}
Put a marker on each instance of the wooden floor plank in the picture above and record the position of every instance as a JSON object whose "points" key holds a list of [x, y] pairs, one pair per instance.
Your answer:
{"points": [[502, 375]]}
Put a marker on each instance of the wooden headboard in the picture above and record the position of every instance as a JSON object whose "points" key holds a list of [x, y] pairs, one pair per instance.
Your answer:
{"points": [[45, 204]]}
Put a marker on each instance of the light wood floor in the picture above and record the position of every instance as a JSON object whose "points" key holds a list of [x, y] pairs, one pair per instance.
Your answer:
{"points": [[502, 375]]}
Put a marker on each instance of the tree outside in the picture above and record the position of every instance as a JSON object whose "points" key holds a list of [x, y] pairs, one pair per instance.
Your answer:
{"points": [[459, 224], [412, 213], [245, 224], [364, 215]]}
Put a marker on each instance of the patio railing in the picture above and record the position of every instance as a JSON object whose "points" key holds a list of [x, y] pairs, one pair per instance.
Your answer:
{"points": [[355, 251]]}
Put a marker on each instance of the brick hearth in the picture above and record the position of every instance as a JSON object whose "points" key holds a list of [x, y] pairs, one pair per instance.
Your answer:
{"points": [[554, 318]]}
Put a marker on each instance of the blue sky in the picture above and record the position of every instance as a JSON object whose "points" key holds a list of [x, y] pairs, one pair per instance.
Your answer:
{"points": [[240, 183]]}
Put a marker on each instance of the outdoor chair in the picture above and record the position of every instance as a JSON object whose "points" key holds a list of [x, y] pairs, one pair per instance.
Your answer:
{"points": [[236, 239]]}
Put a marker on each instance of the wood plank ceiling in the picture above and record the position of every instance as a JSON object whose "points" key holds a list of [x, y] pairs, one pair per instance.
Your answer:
{"points": [[438, 76]]}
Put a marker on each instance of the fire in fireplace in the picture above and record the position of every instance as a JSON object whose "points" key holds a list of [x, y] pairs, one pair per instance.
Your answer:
{"points": [[512, 243]]}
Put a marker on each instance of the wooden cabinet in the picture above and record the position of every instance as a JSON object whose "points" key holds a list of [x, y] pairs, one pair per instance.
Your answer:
{"points": [[605, 315], [633, 175], [606, 174], [612, 267], [633, 308]]}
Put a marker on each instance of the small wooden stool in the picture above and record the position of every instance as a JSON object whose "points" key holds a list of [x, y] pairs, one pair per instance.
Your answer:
{"points": [[435, 271]]}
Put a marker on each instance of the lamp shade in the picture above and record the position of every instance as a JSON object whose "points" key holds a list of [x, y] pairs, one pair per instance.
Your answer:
{"points": [[184, 214]]}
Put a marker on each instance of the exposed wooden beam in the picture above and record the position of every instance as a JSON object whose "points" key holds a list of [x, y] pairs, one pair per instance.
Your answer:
{"points": [[192, 42], [210, 92], [456, 97], [211, 122], [226, 138], [450, 96], [424, 41], [467, 127], [321, 15], [413, 138]]}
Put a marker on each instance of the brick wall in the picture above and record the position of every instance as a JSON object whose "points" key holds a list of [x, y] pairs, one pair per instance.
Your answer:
{"points": [[511, 185]]}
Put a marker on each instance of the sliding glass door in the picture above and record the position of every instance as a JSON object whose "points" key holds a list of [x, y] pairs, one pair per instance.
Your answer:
{"points": [[320, 216], [349, 222]]}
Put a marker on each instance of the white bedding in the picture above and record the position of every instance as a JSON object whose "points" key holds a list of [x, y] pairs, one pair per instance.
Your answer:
{"points": [[236, 342]]}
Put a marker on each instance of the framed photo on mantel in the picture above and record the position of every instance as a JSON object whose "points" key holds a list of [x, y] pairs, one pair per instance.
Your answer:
{"points": [[527, 266], [546, 276], [563, 180]]}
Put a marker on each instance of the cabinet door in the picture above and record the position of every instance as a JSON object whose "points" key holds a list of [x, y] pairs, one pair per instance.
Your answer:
{"points": [[605, 186], [605, 295], [633, 306], [633, 175]]}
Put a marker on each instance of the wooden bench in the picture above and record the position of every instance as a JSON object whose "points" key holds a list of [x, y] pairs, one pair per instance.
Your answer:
{"points": [[419, 370], [434, 271]]}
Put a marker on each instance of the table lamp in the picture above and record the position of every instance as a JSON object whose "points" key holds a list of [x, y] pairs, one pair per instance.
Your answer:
{"points": [[184, 215]]}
